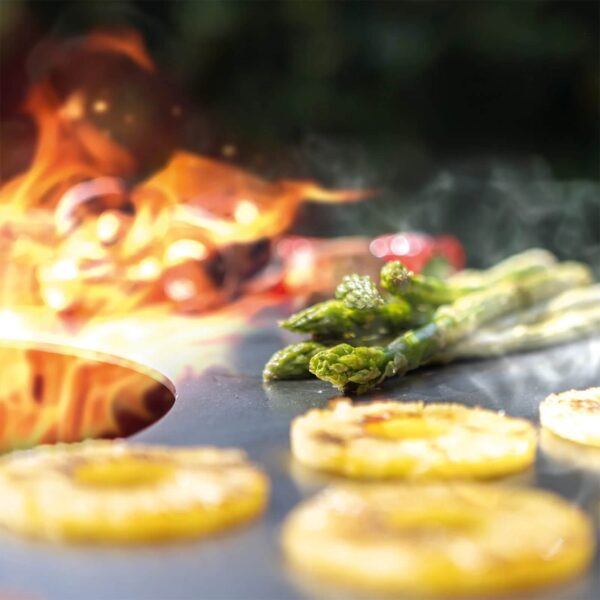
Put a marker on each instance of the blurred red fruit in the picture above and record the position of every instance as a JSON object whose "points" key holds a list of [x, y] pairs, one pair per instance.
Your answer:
{"points": [[440, 255]]}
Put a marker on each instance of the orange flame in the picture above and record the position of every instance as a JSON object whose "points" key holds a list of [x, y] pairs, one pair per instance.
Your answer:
{"points": [[229, 205], [87, 241], [126, 42], [82, 236], [49, 395], [63, 385]]}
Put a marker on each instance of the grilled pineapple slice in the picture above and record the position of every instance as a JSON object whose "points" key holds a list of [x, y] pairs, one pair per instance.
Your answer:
{"points": [[438, 538], [570, 454], [115, 492], [573, 415], [412, 439]]}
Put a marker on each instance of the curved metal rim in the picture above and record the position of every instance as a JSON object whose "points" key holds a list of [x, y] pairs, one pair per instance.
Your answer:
{"points": [[99, 356], [103, 357]]}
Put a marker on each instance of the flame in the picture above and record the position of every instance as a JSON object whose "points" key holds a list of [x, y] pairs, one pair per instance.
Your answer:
{"points": [[228, 205], [69, 150], [61, 382], [103, 241], [49, 395], [98, 254], [126, 42]]}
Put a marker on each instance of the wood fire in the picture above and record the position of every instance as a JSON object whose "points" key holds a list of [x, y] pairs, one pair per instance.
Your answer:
{"points": [[89, 229]]}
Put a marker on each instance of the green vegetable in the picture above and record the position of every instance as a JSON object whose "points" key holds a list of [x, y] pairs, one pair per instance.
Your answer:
{"points": [[522, 264], [418, 289], [573, 314], [359, 291], [333, 320], [291, 362], [358, 369]]}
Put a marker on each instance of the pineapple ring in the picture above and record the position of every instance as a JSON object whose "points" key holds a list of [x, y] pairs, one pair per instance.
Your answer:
{"points": [[438, 538], [412, 439], [115, 492], [573, 415], [570, 454]]}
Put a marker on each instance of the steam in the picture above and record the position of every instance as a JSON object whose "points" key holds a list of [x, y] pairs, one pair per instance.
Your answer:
{"points": [[501, 209], [496, 208], [338, 165]]}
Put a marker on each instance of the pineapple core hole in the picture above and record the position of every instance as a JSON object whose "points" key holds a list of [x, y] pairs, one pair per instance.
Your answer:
{"points": [[400, 427], [123, 472]]}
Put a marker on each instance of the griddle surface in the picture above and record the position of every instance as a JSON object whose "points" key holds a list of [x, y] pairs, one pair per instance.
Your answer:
{"points": [[228, 406]]}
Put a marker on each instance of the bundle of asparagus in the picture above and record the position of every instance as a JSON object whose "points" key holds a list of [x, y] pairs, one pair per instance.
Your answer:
{"points": [[365, 336]]}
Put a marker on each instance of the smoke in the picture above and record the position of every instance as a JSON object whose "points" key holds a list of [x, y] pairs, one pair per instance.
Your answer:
{"points": [[495, 208], [499, 209], [338, 164]]}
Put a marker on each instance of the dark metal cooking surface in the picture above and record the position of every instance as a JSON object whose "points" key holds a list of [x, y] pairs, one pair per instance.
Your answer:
{"points": [[229, 406]]}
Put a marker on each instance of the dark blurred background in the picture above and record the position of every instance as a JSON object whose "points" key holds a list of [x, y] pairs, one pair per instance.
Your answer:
{"points": [[476, 117]]}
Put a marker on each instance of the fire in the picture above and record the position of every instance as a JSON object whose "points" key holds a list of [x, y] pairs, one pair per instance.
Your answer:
{"points": [[92, 234], [100, 252], [50, 396], [55, 390]]}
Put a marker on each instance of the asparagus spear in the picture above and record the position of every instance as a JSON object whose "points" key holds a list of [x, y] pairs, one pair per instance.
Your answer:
{"points": [[573, 314], [333, 320], [519, 264], [358, 369], [576, 299], [359, 291], [554, 330], [399, 281], [291, 362]]}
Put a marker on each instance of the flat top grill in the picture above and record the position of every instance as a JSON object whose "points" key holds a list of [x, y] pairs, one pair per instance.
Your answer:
{"points": [[230, 407]]}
